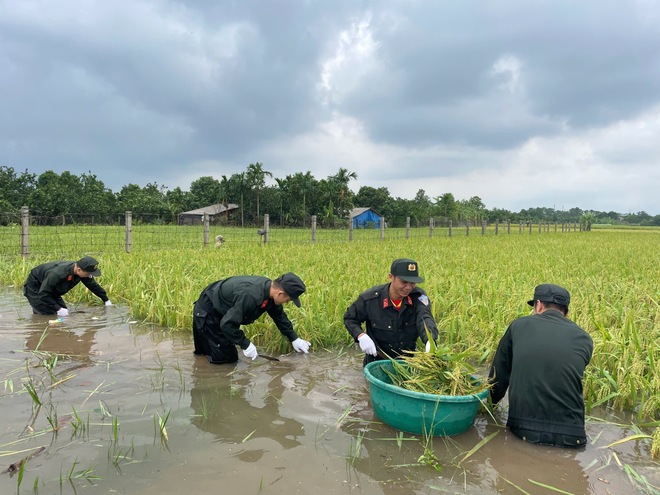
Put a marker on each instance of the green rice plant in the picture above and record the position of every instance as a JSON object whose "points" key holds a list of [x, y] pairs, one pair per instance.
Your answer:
{"points": [[441, 371], [104, 409], [87, 473], [119, 455], [551, 488], [19, 480], [355, 449], [51, 417], [115, 429], [429, 457], [481, 443], [248, 436], [160, 425], [77, 423], [29, 386]]}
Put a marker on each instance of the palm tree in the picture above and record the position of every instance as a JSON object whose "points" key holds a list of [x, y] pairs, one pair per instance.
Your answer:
{"points": [[341, 180], [255, 176]]}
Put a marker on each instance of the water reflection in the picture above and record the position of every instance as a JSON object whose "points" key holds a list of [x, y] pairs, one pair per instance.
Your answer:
{"points": [[235, 403], [552, 466]]}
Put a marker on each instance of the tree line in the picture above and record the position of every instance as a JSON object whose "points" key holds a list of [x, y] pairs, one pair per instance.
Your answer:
{"points": [[290, 202]]}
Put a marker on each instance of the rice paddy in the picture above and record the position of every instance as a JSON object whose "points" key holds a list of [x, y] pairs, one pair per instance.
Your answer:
{"points": [[477, 285]]}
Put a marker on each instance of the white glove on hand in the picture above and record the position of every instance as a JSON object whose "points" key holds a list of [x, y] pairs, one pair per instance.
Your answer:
{"points": [[251, 352], [367, 345], [301, 345], [62, 312], [108, 303], [427, 348]]}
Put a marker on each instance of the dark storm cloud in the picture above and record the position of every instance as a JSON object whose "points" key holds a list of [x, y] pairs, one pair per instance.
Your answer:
{"points": [[583, 65], [154, 90]]}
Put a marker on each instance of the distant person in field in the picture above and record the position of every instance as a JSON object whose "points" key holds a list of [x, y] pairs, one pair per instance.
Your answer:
{"points": [[47, 283], [395, 315], [541, 360], [225, 305]]}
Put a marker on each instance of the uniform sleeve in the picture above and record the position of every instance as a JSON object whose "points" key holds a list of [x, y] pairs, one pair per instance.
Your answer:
{"points": [[95, 288], [354, 317], [284, 325], [500, 371], [424, 317], [230, 325], [47, 291]]}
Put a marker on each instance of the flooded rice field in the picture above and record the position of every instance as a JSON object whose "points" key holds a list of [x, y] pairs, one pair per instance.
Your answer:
{"points": [[101, 404]]}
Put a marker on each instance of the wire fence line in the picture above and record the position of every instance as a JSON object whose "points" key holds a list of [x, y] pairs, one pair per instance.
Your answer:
{"points": [[26, 234]]}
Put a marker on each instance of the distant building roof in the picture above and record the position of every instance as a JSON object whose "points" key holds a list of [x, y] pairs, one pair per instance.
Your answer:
{"points": [[358, 211], [212, 209]]}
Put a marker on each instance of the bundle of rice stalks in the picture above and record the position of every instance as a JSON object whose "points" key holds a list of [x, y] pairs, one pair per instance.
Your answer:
{"points": [[440, 371]]}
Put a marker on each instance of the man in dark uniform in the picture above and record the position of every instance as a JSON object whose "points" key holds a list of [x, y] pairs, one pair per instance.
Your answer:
{"points": [[541, 360], [47, 283], [395, 314], [225, 305]]}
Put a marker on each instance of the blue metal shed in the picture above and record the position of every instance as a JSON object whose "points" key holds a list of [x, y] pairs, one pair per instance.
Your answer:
{"points": [[363, 218]]}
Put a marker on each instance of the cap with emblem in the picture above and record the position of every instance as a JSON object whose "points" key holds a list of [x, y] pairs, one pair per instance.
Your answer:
{"points": [[407, 270], [551, 293], [293, 286], [90, 265]]}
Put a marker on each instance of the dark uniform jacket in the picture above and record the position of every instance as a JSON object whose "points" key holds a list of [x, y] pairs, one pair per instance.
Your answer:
{"points": [[47, 283], [393, 331], [241, 300], [541, 360]]}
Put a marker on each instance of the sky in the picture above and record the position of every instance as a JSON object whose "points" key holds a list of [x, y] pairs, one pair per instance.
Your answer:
{"points": [[524, 104]]}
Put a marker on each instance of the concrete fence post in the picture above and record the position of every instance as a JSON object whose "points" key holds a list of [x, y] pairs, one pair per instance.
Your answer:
{"points": [[313, 228], [266, 227], [128, 224], [25, 231], [207, 228]]}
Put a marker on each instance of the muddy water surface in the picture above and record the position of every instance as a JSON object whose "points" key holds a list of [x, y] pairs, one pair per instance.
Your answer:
{"points": [[127, 408]]}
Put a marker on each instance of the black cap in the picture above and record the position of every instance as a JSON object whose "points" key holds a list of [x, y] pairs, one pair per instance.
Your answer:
{"points": [[90, 265], [406, 269], [293, 286], [551, 293]]}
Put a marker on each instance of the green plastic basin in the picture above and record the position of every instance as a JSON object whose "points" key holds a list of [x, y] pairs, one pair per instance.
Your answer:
{"points": [[417, 412]]}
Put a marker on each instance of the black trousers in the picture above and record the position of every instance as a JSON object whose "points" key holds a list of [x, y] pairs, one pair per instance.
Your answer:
{"points": [[38, 306], [208, 336], [545, 438]]}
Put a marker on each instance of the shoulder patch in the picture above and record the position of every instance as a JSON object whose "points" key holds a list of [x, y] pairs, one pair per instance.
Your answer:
{"points": [[370, 295], [424, 299]]}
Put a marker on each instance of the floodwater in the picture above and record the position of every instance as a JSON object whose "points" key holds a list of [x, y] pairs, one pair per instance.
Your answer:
{"points": [[127, 408]]}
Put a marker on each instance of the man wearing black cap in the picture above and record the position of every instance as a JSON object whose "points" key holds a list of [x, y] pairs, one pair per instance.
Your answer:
{"points": [[395, 314], [47, 283], [541, 360], [225, 305]]}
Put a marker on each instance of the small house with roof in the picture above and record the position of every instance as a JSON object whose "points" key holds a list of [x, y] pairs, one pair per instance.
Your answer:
{"points": [[364, 218], [215, 212]]}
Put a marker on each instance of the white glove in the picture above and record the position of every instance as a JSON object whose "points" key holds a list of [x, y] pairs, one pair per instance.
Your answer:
{"points": [[251, 352], [428, 346], [367, 345], [108, 303], [62, 312], [301, 345]]}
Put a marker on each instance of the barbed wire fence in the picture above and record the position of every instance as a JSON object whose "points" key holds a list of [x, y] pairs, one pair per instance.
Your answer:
{"points": [[26, 233]]}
